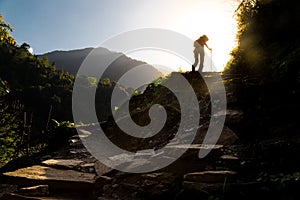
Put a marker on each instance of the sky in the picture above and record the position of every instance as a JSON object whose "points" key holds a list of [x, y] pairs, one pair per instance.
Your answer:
{"points": [[73, 24]]}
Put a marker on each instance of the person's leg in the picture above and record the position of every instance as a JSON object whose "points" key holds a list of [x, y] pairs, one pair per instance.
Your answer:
{"points": [[201, 61], [196, 55]]}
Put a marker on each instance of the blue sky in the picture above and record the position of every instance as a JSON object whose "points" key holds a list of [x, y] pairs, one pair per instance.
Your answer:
{"points": [[64, 24], [72, 24]]}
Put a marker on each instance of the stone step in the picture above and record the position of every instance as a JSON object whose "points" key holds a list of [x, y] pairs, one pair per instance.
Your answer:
{"points": [[211, 176], [56, 179], [62, 163], [207, 189], [192, 151], [69, 196], [230, 161], [73, 164], [39, 190], [210, 182]]}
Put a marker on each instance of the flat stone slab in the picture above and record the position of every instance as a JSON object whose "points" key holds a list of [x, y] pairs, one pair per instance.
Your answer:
{"points": [[203, 187], [219, 188], [192, 151], [194, 146], [69, 196], [39, 190], [230, 157], [57, 179], [62, 163], [211, 176]]}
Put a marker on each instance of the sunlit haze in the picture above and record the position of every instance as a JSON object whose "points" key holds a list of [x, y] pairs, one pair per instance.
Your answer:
{"points": [[74, 24]]}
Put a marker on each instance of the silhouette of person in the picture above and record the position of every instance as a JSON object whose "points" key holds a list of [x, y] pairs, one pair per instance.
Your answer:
{"points": [[199, 50]]}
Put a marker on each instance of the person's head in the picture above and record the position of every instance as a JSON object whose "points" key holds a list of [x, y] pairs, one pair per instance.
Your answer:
{"points": [[204, 37]]}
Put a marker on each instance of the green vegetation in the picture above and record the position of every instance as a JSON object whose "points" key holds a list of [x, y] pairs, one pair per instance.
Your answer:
{"points": [[265, 65], [32, 93]]}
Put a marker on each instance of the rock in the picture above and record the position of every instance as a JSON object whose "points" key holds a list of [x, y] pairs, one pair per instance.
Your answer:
{"points": [[102, 198], [62, 163], [211, 176], [6, 188], [229, 157], [57, 179], [39, 190], [204, 188], [230, 161], [235, 189], [12, 196], [157, 184], [192, 151], [88, 167], [58, 196], [101, 169], [100, 181], [234, 116], [45, 157], [227, 137]]}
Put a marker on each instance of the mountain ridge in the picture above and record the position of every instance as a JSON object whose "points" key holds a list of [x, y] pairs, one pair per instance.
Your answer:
{"points": [[71, 61]]}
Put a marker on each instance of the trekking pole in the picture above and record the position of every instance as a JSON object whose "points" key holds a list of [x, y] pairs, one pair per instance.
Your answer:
{"points": [[211, 67]]}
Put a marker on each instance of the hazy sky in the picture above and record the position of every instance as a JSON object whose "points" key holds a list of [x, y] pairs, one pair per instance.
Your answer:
{"points": [[72, 24]]}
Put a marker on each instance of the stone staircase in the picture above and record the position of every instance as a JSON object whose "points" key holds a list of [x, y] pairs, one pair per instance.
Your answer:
{"points": [[77, 175], [72, 178]]}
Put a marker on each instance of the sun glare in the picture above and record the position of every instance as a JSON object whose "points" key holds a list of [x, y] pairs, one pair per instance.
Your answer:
{"points": [[216, 21], [193, 18]]}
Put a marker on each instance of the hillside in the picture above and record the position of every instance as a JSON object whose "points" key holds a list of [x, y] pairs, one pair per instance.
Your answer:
{"points": [[36, 100], [70, 61]]}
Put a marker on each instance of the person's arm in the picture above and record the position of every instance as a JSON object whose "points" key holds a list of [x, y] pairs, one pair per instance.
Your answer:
{"points": [[207, 46]]}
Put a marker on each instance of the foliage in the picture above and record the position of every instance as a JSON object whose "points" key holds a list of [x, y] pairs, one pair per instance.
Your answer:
{"points": [[10, 132], [266, 62], [29, 87], [268, 40], [5, 37], [44, 93], [281, 178]]}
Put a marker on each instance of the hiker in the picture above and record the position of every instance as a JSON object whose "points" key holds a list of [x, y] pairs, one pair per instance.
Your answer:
{"points": [[199, 50]]}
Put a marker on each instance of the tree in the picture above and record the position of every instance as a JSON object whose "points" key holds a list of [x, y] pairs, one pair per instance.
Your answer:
{"points": [[267, 64], [5, 37]]}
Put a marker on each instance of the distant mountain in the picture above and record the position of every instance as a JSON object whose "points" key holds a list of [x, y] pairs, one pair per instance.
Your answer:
{"points": [[71, 61]]}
